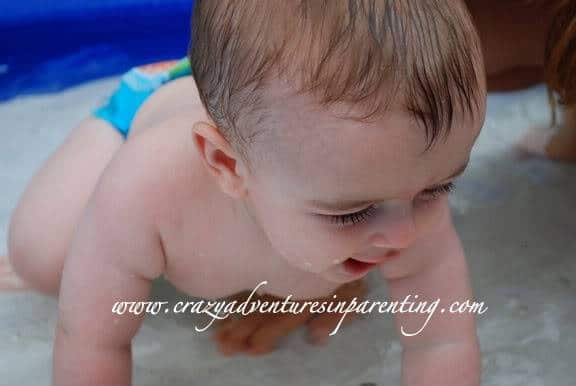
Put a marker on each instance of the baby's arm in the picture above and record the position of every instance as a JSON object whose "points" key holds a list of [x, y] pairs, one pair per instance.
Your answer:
{"points": [[114, 255], [446, 351]]}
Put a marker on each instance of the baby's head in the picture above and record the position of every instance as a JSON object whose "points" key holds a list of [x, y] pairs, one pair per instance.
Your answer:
{"points": [[320, 109]]}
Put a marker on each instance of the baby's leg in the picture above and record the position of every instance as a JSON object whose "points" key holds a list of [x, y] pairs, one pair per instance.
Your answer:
{"points": [[43, 222]]}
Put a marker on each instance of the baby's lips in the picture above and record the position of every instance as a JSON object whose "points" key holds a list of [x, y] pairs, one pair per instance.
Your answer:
{"points": [[377, 259], [355, 267]]}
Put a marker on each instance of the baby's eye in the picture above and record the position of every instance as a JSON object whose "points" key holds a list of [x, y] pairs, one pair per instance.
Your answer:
{"points": [[352, 218], [434, 193], [427, 195]]}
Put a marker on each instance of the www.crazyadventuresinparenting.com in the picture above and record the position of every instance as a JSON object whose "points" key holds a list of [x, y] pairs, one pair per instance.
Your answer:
{"points": [[222, 309]]}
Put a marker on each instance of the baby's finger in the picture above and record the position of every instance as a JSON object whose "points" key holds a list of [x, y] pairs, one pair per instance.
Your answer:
{"points": [[265, 338], [235, 338]]}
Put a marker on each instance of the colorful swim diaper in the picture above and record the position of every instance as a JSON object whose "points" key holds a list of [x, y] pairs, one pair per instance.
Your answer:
{"points": [[135, 87]]}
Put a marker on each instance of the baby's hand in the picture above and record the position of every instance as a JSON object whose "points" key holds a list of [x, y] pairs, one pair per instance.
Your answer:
{"points": [[258, 333]]}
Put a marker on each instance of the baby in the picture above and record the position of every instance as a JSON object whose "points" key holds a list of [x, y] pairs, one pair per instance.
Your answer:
{"points": [[315, 141]]}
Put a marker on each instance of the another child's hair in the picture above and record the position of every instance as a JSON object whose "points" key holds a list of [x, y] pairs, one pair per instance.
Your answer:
{"points": [[560, 56], [360, 52]]}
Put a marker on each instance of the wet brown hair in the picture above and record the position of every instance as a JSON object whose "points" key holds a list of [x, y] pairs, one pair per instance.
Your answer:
{"points": [[361, 52], [560, 56]]}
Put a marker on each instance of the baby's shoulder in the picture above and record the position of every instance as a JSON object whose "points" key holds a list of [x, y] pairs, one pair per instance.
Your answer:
{"points": [[156, 169]]}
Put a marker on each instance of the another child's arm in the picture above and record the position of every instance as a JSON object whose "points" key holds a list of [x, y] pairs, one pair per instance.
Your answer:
{"points": [[114, 255], [446, 350]]}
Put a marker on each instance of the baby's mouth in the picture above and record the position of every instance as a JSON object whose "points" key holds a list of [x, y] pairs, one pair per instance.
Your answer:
{"points": [[357, 267]]}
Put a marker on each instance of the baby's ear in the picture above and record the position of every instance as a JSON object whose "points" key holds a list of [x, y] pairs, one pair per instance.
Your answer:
{"points": [[219, 158]]}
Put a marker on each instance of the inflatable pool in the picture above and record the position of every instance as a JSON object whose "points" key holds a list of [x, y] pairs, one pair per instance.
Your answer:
{"points": [[47, 46]]}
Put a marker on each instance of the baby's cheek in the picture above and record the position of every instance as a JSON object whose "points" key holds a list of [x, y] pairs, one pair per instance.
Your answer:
{"points": [[317, 256], [308, 243], [299, 248], [428, 215]]}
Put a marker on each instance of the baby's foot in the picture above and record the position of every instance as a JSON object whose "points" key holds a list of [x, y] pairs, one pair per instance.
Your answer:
{"points": [[8, 279]]}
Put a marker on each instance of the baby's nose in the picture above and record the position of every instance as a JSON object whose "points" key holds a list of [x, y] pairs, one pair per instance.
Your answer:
{"points": [[395, 227]]}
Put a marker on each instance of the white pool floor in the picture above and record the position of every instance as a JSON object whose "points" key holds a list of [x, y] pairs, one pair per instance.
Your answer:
{"points": [[516, 216]]}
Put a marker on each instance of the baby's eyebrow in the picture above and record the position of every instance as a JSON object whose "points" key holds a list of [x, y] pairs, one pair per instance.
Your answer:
{"points": [[340, 205]]}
